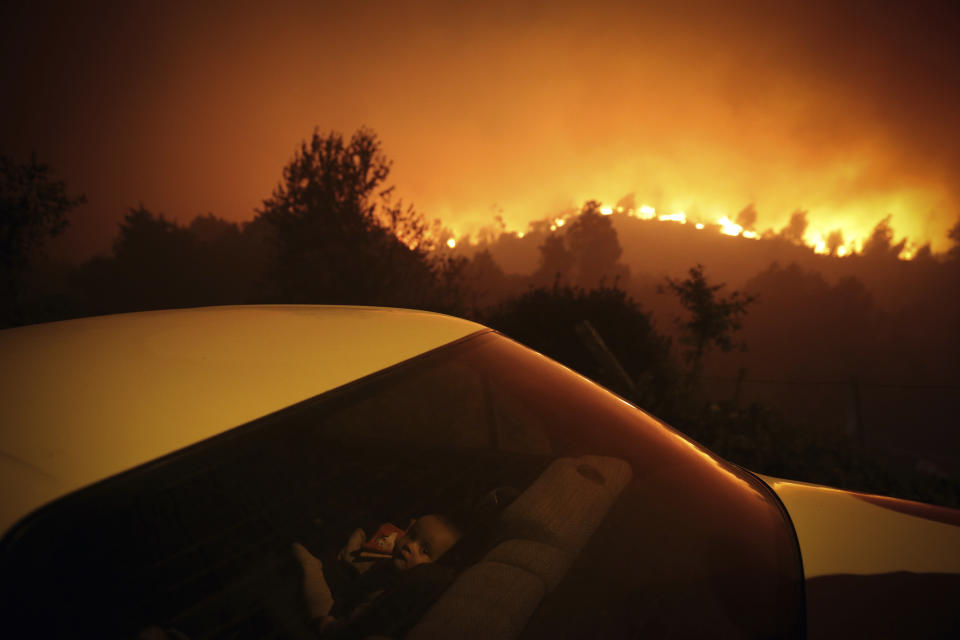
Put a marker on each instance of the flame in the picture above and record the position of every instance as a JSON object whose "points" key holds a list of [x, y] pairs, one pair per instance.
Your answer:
{"points": [[817, 241], [820, 246], [679, 216], [451, 243], [820, 241], [729, 227], [909, 252]]}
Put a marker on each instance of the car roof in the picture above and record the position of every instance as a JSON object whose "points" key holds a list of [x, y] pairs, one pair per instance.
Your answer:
{"points": [[83, 400]]}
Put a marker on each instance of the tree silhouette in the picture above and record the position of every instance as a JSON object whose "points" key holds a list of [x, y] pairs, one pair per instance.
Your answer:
{"points": [[713, 320], [594, 245], [338, 236], [227, 260], [796, 227], [546, 319], [482, 282], [33, 208], [585, 253], [154, 264], [954, 234], [556, 261], [834, 241], [747, 218], [880, 243], [805, 320]]}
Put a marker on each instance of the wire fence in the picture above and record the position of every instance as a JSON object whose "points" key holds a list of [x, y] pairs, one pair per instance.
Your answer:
{"points": [[918, 421]]}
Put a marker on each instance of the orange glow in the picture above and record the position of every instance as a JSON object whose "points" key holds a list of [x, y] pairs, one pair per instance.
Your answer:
{"points": [[745, 111], [451, 243]]}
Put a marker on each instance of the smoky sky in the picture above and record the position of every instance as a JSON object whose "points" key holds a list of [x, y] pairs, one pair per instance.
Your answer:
{"points": [[845, 110]]}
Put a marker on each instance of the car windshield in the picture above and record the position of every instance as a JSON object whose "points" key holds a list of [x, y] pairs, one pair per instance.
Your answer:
{"points": [[553, 507]]}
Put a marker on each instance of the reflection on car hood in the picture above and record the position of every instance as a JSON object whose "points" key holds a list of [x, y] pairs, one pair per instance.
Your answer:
{"points": [[845, 532]]}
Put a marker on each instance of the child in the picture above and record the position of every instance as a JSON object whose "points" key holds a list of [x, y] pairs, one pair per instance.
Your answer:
{"points": [[392, 596]]}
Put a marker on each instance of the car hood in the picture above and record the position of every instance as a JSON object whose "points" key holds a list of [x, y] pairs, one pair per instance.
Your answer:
{"points": [[845, 532]]}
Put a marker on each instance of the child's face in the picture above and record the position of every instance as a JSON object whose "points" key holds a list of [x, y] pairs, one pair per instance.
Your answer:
{"points": [[427, 540]]}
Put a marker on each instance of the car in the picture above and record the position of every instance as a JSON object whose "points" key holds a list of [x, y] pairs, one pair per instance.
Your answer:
{"points": [[157, 467]]}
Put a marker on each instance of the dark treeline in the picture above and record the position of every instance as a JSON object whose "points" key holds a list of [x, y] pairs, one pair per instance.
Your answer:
{"points": [[330, 232], [621, 300]]}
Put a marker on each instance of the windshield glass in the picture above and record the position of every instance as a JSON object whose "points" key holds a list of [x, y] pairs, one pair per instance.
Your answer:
{"points": [[495, 492]]}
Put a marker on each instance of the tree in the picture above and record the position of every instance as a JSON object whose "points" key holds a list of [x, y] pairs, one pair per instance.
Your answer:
{"points": [[595, 248], [880, 243], [157, 264], [747, 218], [154, 265], [33, 208], [954, 234], [796, 227], [713, 320], [556, 261], [586, 252], [337, 234], [546, 319], [834, 241], [482, 282]]}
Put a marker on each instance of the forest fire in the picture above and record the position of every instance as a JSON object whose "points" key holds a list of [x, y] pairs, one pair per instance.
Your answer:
{"points": [[837, 243]]}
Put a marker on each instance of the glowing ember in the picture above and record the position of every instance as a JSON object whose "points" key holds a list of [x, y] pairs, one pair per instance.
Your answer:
{"points": [[699, 225], [647, 212], [560, 222], [606, 210], [750, 234], [451, 243]]}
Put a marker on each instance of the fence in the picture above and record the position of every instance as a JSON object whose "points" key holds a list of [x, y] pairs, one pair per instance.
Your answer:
{"points": [[918, 422]]}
